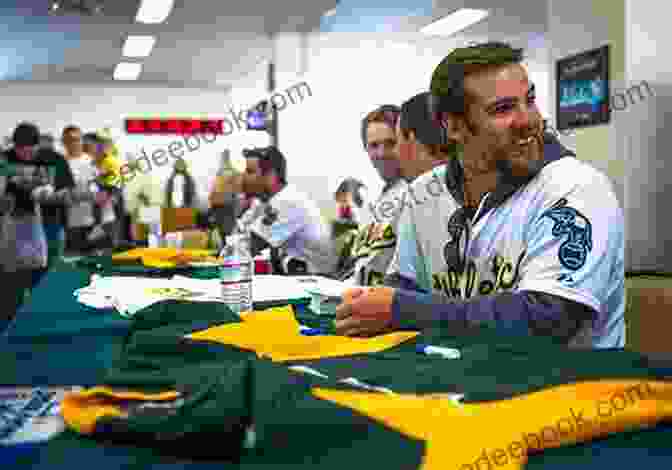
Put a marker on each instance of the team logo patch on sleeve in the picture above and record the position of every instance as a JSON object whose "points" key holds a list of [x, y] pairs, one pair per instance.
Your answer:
{"points": [[577, 229]]}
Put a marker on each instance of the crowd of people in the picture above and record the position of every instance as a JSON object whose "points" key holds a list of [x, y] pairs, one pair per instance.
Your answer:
{"points": [[484, 217]]}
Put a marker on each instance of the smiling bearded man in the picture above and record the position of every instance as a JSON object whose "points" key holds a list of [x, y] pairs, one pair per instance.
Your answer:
{"points": [[528, 238]]}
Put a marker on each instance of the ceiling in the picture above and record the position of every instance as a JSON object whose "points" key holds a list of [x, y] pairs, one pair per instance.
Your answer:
{"points": [[203, 43]]}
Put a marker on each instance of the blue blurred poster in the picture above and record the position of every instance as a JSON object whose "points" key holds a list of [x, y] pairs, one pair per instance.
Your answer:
{"points": [[583, 89]]}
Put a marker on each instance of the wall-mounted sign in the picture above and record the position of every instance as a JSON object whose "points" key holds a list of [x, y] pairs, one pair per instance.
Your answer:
{"points": [[583, 89], [180, 126]]}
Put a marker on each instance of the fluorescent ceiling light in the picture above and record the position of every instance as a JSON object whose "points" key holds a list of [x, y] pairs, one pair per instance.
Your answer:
{"points": [[127, 71], [456, 21], [154, 11], [138, 46]]}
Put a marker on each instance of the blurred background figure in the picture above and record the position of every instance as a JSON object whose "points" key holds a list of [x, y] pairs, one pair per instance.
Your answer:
{"points": [[349, 197], [47, 142], [181, 187], [108, 210], [54, 212], [143, 189], [28, 184]]}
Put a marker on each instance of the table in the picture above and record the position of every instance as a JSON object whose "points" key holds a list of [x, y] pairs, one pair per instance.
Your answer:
{"points": [[57, 341]]}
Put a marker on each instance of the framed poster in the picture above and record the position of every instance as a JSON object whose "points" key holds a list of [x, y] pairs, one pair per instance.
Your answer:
{"points": [[582, 93]]}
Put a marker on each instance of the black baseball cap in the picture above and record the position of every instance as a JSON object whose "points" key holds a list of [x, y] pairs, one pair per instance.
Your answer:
{"points": [[26, 134], [92, 138], [271, 158]]}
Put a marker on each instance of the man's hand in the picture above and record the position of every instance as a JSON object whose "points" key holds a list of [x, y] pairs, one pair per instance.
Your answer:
{"points": [[365, 312]]}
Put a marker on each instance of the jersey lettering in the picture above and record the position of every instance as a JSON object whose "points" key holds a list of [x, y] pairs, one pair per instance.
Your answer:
{"points": [[471, 283], [372, 249]]}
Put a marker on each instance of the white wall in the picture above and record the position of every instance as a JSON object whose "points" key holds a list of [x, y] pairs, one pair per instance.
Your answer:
{"points": [[350, 74], [648, 167], [575, 26]]}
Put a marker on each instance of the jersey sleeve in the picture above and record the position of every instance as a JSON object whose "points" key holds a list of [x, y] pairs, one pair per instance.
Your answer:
{"points": [[407, 267], [575, 242], [279, 223]]}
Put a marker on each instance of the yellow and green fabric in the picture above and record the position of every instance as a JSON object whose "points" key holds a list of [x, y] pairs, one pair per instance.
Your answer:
{"points": [[186, 383]]}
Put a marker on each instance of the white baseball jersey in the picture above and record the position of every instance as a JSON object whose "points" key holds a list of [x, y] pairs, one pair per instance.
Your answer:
{"points": [[562, 233], [373, 247], [294, 222]]}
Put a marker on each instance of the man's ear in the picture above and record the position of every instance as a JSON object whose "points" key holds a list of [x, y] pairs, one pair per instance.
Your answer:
{"points": [[454, 126], [412, 137]]}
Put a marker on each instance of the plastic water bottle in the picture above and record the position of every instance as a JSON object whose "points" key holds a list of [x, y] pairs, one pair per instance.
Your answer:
{"points": [[236, 272]]}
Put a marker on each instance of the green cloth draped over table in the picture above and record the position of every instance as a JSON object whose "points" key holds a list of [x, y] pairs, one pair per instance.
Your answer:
{"points": [[228, 388]]}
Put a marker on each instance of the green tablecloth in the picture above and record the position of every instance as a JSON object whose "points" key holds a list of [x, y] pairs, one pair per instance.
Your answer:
{"points": [[57, 341]]}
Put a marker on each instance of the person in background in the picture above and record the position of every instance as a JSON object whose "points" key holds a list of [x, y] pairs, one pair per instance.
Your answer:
{"points": [[142, 190], [421, 143], [89, 143], [349, 197], [527, 238], [228, 211], [181, 187], [80, 214], [106, 232], [8, 298], [54, 214], [47, 142], [290, 224], [366, 256], [30, 183]]}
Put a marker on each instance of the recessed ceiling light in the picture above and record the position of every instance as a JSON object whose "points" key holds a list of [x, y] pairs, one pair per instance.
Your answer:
{"points": [[154, 11], [127, 71], [329, 13], [456, 21], [138, 46]]}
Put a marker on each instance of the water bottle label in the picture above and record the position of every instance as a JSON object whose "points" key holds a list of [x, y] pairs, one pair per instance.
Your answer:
{"points": [[230, 272]]}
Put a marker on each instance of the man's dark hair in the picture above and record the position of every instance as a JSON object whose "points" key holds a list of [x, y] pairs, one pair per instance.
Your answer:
{"points": [[447, 84], [26, 134], [91, 138], [354, 187], [270, 159], [387, 113], [70, 128], [416, 116]]}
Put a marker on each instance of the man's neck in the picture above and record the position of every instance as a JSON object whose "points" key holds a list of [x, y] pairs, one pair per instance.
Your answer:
{"points": [[425, 163], [477, 183], [267, 196]]}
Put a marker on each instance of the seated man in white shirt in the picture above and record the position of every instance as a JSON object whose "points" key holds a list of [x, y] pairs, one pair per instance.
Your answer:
{"points": [[527, 239], [289, 222]]}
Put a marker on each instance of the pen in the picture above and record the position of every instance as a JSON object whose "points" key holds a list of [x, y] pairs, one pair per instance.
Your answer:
{"points": [[305, 331], [446, 353]]}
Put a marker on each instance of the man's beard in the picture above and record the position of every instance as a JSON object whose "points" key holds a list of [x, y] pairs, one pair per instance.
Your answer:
{"points": [[388, 169], [513, 153], [524, 149]]}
